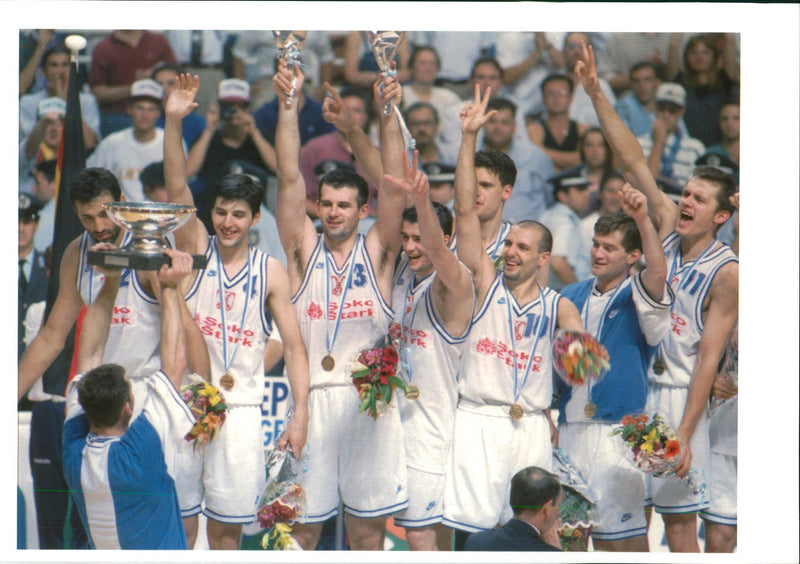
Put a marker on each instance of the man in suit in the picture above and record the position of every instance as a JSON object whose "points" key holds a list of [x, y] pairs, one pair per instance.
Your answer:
{"points": [[535, 499]]}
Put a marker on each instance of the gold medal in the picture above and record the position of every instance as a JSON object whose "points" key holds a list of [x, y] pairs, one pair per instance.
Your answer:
{"points": [[516, 411], [412, 392], [659, 366], [227, 382], [590, 409], [328, 363]]}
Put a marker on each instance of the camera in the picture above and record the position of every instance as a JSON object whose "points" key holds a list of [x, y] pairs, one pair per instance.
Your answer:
{"points": [[227, 112]]}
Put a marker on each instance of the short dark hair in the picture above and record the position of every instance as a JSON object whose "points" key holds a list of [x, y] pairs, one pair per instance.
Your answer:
{"points": [[726, 183], [344, 178], [499, 163], [354, 91], [152, 175], [57, 50], [163, 65], [486, 61], [545, 236], [644, 65], [532, 488], [556, 76], [422, 48], [92, 182], [102, 393], [422, 106], [239, 186], [612, 174], [625, 224], [443, 214], [502, 104]]}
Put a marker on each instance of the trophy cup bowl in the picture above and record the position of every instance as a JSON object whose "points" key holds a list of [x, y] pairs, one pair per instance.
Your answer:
{"points": [[290, 45], [149, 223]]}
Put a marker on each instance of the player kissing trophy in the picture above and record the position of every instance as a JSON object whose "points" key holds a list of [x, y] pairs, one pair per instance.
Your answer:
{"points": [[290, 45]]}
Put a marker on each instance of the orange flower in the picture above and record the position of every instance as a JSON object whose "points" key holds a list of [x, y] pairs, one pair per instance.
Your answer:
{"points": [[673, 448]]}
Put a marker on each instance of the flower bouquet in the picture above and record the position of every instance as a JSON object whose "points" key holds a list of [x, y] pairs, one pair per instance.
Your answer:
{"points": [[577, 510], [375, 377], [282, 501], [578, 357], [652, 446], [208, 406]]}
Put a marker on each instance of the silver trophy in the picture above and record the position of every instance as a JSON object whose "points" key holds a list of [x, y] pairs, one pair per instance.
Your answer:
{"points": [[149, 223], [384, 46], [290, 45]]}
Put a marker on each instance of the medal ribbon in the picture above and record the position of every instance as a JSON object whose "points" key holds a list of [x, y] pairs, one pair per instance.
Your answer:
{"points": [[518, 387], [220, 273], [403, 341], [330, 342]]}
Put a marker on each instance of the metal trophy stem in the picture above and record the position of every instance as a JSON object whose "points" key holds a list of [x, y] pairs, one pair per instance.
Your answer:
{"points": [[149, 223], [384, 46], [290, 45]]}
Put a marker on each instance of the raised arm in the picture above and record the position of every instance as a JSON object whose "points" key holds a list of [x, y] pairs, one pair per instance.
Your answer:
{"points": [[452, 286], [192, 237], [468, 242], [654, 276], [49, 342], [296, 231], [97, 322], [173, 337], [626, 147], [294, 354]]}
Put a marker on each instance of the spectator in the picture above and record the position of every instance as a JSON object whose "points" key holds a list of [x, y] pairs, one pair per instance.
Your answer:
{"points": [[425, 64], [557, 133], [166, 74], [535, 499], [638, 109], [670, 153], [230, 137], [531, 194], [44, 188], [422, 120], [32, 46], [441, 178], [55, 68], [708, 86], [581, 109], [608, 202], [32, 281], [125, 153], [118, 60], [152, 178], [570, 259], [459, 52], [624, 50], [336, 147], [43, 141], [255, 53], [202, 53], [360, 66], [728, 146], [527, 58]]}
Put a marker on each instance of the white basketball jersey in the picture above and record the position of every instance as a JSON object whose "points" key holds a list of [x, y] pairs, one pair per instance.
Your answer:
{"points": [[340, 311], [429, 357], [495, 248], [487, 375], [235, 347], [134, 337], [690, 282]]}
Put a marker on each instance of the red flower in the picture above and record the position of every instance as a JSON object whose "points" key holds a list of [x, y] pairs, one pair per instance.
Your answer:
{"points": [[673, 448], [390, 355]]}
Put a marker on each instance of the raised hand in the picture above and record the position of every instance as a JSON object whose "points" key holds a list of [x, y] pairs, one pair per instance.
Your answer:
{"points": [[181, 101], [473, 115], [109, 272], [335, 111], [634, 203], [286, 83], [586, 70], [414, 181]]}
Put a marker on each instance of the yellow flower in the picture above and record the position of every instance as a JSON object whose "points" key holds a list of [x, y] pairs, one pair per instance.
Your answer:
{"points": [[646, 447], [652, 436], [213, 399], [208, 389]]}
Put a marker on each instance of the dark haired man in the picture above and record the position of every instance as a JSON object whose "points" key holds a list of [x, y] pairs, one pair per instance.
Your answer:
{"points": [[341, 282], [703, 274], [535, 499], [234, 300], [119, 471], [433, 301], [504, 380], [628, 315], [638, 109]]}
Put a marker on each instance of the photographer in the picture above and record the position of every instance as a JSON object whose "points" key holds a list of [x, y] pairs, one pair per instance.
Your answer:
{"points": [[230, 142]]}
